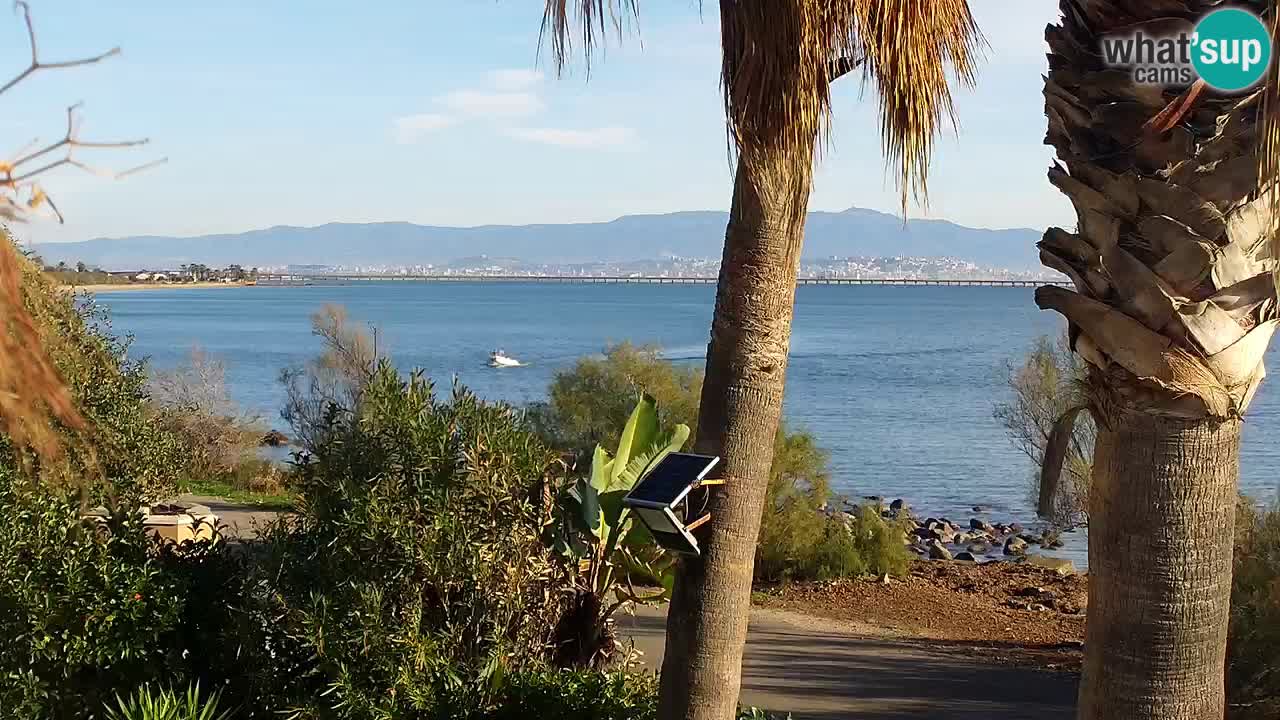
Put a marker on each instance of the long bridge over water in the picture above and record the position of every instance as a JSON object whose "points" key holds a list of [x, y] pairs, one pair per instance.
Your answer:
{"points": [[301, 279]]}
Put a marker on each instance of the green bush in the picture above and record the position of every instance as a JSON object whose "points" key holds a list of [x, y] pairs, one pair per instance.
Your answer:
{"points": [[590, 403], [1253, 649], [88, 608], [221, 439], [82, 610], [132, 457], [1047, 384], [416, 571], [148, 703], [578, 695], [588, 695]]}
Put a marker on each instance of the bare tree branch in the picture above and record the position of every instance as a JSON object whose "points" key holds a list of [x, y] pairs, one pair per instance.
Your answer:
{"points": [[35, 65], [71, 141]]}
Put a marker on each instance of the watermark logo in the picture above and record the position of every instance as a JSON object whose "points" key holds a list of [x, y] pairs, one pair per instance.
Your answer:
{"points": [[1230, 49]]}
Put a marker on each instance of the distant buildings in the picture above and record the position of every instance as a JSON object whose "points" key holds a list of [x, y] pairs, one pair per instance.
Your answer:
{"points": [[868, 268]]}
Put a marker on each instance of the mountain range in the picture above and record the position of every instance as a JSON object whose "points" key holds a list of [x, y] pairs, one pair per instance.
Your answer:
{"points": [[696, 234]]}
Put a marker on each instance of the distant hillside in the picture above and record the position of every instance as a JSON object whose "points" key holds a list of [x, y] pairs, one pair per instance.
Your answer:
{"points": [[687, 234]]}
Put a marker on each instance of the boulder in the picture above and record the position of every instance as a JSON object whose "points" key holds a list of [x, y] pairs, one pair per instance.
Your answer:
{"points": [[1015, 528], [937, 551], [1051, 538], [983, 525], [963, 538], [898, 505], [1062, 566], [275, 438], [1015, 546], [979, 548], [966, 557]]}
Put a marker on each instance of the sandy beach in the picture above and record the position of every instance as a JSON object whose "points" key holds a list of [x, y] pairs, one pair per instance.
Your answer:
{"points": [[153, 286]]}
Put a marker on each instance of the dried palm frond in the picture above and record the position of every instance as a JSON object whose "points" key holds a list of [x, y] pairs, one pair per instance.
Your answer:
{"points": [[1269, 152], [30, 388], [780, 57]]}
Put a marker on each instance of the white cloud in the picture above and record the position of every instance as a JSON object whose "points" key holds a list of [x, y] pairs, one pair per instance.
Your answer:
{"points": [[411, 128], [606, 137], [480, 103], [514, 79]]}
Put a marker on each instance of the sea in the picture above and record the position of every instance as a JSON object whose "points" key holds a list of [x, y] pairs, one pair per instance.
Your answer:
{"points": [[897, 383]]}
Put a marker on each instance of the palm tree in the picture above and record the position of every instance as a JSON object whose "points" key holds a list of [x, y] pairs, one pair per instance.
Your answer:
{"points": [[779, 59], [1173, 309]]}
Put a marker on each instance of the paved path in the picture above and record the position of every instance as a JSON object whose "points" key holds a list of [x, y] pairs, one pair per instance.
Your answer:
{"points": [[804, 666], [819, 669], [241, 520]]}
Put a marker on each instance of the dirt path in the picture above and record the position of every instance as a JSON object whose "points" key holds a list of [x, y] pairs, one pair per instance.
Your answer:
{"points": [[820, 669]]}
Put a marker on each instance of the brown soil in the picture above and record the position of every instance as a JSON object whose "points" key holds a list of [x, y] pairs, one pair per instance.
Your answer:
{"points": [[1005, 612]]}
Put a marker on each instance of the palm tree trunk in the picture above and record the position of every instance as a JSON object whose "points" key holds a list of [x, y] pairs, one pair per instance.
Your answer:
{"points": [[1161, 526], [1174, 306], [739, 415]]}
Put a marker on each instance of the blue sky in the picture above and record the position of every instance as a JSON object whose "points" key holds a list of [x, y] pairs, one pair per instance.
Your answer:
{"points": [[441, 112]]}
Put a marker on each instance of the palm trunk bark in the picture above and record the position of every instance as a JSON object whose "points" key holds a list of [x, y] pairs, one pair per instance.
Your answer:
{"points": [[738, 419], [1174, 306], [1161, 526]]}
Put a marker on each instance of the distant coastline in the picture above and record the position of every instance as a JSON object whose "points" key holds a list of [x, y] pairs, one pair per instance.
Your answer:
{"points": [[129, 287]]}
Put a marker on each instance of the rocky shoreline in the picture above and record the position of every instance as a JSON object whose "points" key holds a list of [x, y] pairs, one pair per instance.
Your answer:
{"points": [[977, 541]]}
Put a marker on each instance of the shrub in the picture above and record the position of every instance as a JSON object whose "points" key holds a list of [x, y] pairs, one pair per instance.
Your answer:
{"points": [[1253, 655], [416, 571], [334, 381], [192, 401], [148, 703], [1044, 387], [579, 695], [131, 457], [88, 609], [81, 609], [590, 404], [608, 550]]}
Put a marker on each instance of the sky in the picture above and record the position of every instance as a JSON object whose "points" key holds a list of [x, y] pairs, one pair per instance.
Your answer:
{"points": [[443, 112]]}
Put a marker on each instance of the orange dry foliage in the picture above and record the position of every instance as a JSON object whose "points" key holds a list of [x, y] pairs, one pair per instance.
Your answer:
{"points": [[30, 389]]}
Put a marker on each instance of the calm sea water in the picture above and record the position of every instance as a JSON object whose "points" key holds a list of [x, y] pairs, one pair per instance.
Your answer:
{"points": [[898, 383]]}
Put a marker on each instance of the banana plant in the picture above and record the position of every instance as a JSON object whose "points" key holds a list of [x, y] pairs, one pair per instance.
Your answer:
{"points": [[609, 548]]}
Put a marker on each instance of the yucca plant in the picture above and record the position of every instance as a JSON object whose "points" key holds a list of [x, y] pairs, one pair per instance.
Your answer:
{"points": [[1174, 306], [779, 59], [163, 703], [608, 547]]}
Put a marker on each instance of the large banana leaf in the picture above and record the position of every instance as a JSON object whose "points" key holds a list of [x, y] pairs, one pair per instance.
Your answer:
{"points": [[639, 434]]}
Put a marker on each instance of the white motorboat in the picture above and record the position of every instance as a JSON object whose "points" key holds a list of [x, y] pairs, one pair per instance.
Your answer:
{"points": [[499, 359]]}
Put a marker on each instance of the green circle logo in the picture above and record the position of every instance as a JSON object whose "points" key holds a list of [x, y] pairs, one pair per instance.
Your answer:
{"points": [[1231, 49]]}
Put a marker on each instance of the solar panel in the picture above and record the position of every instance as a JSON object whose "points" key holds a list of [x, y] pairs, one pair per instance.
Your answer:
{"points": [[681, 542], [672, 478]]}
